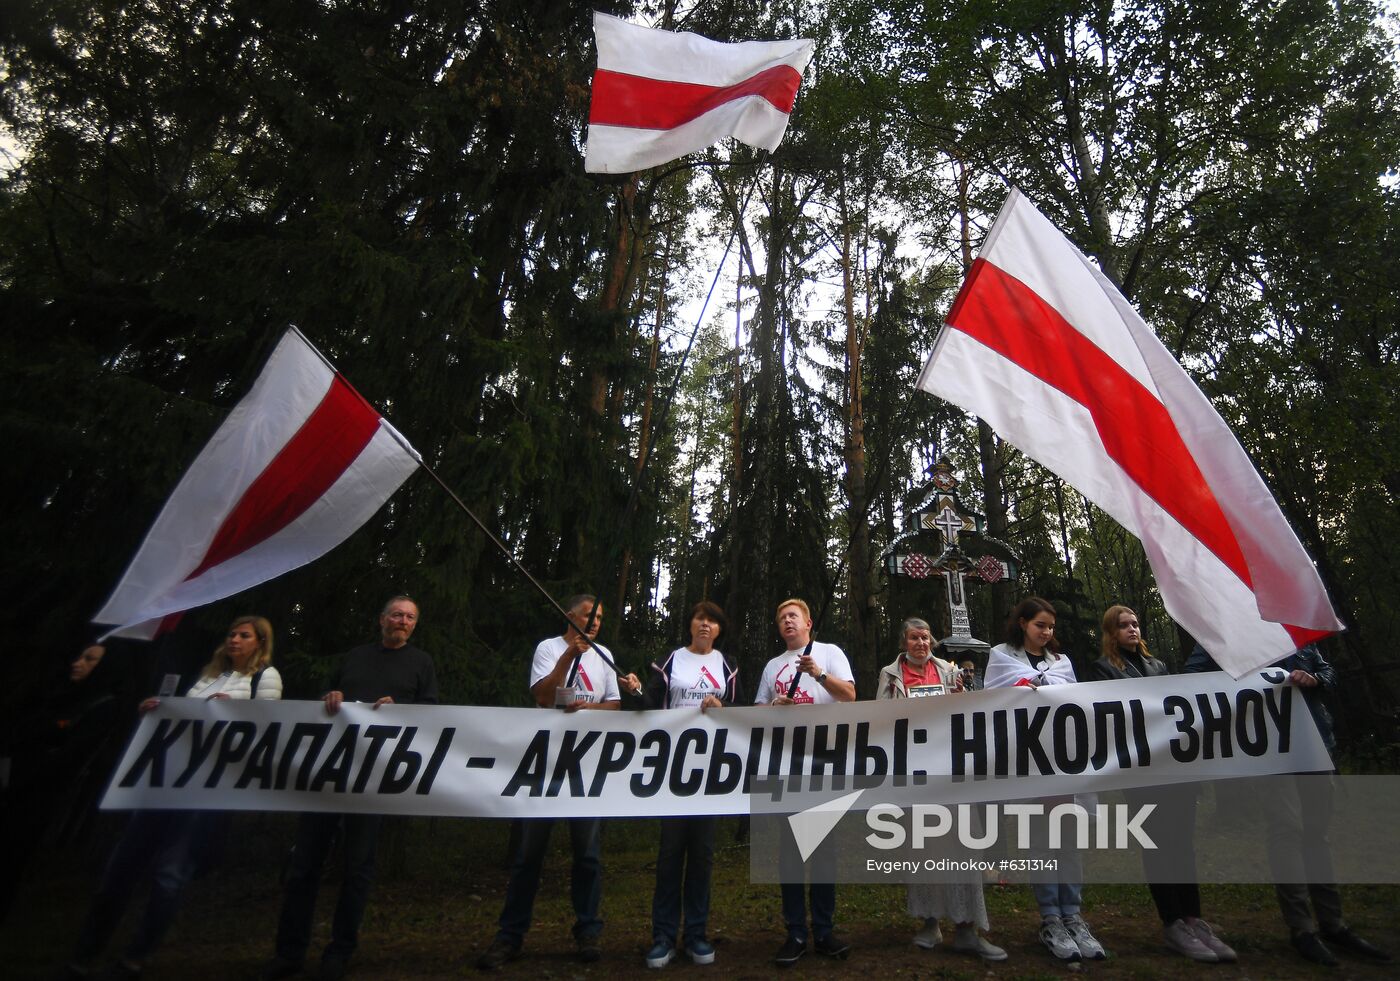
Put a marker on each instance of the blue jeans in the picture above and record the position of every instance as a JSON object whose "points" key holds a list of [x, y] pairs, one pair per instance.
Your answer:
{"points": [[1057, 898], [586, 879], [822, 894], [1062, 897], [167, 842], [315, 834], [683, 868]]}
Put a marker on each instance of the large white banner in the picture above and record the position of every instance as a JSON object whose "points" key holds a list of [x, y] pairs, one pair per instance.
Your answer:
{"points": [[466, 761]]}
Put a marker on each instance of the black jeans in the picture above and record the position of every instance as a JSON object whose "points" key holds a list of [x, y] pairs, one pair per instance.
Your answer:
{"points": [[315, 832], [169, 843], [683, 878], [1170, 869], [585, 880], [820, 869]]}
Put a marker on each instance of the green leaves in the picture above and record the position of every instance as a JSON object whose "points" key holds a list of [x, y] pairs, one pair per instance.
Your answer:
{"points": [[406, 186]]}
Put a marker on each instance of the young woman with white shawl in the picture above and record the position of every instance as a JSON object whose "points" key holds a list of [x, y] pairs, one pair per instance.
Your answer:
{"points": [[1030, 659]]}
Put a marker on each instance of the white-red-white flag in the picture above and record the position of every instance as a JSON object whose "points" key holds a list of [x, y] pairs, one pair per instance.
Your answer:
{"points": [[658, 95], [1042, 346], [299, 464]]}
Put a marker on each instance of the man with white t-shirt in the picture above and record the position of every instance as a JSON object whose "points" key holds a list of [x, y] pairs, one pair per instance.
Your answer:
{"points": [[823, 676], [570, 674]]}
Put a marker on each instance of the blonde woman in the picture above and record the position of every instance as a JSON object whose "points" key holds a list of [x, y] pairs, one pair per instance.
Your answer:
{"points": [[170, 844], [240, 664], [1170, 871]]}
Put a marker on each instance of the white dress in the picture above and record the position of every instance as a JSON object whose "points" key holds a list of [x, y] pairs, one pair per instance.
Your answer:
{"points": [[960, 902]]}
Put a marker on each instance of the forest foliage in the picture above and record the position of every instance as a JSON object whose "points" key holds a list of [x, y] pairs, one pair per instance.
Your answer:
{"points": [[404, 183]]}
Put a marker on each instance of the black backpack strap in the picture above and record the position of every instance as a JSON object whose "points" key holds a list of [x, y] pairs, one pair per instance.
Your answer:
{"points": [[253, 683]]}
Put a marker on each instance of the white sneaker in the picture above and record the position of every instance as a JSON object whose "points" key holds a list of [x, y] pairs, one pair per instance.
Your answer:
{"points": [[1057, 939], [967, 941], [1089, 948], [1182, 939], [1223, 951], [930, 936]]}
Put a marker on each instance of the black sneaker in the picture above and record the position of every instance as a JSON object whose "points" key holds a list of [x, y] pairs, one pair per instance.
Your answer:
{"points": [[500, 953], [832, 946], [589, 950], [1344, 939], [1313, 949], [279, 968], [790, 952]]}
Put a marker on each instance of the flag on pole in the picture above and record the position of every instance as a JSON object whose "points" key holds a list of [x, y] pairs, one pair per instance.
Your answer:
{"points": [[658, 95], [297, 466], [1041, 345]]}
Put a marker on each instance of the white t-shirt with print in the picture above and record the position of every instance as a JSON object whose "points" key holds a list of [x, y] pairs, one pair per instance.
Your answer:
{"points": [[694, 676], [777, 676], [594, 681]]}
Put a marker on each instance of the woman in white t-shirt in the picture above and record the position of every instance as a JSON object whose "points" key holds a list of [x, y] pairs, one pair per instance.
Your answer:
{"points": [[694, 676], [171, 844]]}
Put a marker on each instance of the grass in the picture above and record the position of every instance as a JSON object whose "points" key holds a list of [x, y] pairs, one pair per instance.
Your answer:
{"points": [[441, 884]]}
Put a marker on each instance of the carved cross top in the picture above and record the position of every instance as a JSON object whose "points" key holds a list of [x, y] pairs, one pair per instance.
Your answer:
{"points": [[949, 522]]}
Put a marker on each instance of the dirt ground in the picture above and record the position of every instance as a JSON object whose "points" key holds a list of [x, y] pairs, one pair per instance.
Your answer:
{"points": [[441, 883]]}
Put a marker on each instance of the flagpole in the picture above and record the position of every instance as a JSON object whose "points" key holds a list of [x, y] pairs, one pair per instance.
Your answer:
{"points": [[519, 566], [517, 563]]}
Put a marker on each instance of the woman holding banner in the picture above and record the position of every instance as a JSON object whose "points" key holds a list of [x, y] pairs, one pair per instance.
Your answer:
{"points": [[1170, 869], [696, 675], [171, 844], [1030, 659], [917, 673]]}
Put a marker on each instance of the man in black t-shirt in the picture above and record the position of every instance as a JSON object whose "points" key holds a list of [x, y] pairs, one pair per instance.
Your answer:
{"points": [[391, 671]]}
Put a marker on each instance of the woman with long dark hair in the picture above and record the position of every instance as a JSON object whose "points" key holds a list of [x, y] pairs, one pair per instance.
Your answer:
{"points": [[57, 754], [1030, 658]]}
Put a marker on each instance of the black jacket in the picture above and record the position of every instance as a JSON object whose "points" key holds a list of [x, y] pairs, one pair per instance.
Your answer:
{"points": [[1307, 658], [1103, 669]]}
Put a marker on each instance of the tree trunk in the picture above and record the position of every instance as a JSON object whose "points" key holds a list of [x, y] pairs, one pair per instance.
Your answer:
{"points": [[860, 614], [644, 436], [754, 524]]}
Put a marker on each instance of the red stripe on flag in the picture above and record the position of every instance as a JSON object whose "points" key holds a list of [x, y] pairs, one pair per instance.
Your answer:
{"points": [[302, 472], [649, 103], [1302, 636], [1138, 433]]}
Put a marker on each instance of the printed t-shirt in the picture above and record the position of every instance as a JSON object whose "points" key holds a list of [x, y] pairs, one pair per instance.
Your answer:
{"points": [[777, 676], [594, 681]]}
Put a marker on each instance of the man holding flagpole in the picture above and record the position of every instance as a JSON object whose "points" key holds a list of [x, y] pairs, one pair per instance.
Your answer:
{"points": [[807, 673], [569, 673]]}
